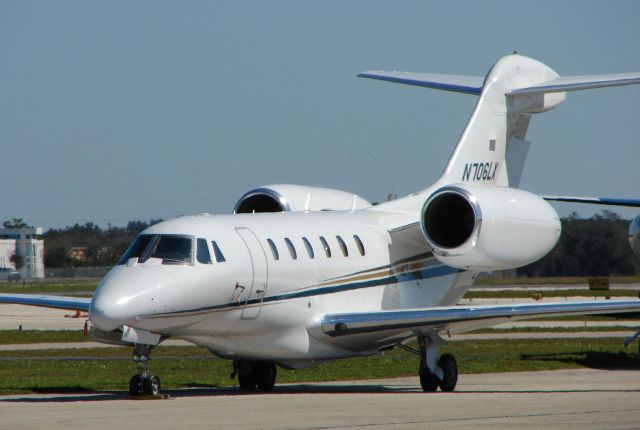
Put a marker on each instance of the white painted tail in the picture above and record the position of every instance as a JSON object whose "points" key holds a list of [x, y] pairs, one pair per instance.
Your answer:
{"points": [[492, 148]]}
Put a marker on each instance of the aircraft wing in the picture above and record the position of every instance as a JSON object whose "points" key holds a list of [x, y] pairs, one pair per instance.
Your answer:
{"points": [[58, 302], [464, 318], [608, 201]]}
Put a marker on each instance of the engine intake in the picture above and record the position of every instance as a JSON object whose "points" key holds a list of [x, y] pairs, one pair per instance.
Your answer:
{"points": [[449, 220], [297, 198], [261, 200], [483, 227]]}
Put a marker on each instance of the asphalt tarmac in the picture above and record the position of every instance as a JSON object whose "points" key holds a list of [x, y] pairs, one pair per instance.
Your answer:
{"points": [[568, 399]]}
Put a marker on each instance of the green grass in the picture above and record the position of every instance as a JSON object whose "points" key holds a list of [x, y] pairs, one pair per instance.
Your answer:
{"points": [[9, 337], [559, 280], [194, 366], [580, 318], [551, 330], [86, 286], [527, 294]]}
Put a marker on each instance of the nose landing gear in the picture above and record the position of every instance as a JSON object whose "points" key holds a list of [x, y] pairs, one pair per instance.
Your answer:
{"points": [[143, 384]]}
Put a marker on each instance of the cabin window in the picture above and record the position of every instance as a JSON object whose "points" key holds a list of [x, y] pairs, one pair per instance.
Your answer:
{"points": [[343, 246], [292, 249], [307, 245], [325, 245], [202, 252], [274, 250], [359, 244], [217, 253]]}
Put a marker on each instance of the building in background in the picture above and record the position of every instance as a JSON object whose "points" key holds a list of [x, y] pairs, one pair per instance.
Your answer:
{"points": [[24, 243]]}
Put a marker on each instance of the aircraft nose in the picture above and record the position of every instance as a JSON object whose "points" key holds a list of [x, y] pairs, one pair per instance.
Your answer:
{"points": [[124, 295], [107, 315]]}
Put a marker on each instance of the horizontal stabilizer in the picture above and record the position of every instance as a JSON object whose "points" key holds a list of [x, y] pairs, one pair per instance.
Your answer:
{"points": [[573, 83], [59, 302], [633, 203], [455, 83]]}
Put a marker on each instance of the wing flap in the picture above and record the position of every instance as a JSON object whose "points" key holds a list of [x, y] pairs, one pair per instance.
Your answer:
{"points": [[58, 302], [464, 318], [456, 83]]}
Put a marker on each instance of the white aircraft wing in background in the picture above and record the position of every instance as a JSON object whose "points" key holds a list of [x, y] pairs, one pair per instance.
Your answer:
{"points": [[465, 318], [57, 302], [607, 201]]}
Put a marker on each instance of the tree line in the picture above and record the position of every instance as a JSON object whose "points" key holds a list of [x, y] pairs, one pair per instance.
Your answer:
{"points": [[595, 246], [89, 245]]}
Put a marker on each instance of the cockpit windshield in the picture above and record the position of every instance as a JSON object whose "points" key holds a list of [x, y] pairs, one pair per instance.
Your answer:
{"points": [[171, 249]]}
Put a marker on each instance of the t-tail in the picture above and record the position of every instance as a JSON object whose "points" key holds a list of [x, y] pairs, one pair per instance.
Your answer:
{"points": [[493, 148]]}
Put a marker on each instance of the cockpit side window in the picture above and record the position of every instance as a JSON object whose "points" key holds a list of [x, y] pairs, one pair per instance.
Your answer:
{"points": [[216, 251], [202, 252], [136, 249]]}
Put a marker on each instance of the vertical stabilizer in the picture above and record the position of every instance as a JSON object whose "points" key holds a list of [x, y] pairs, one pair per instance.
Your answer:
{"points": [[492, 148]]}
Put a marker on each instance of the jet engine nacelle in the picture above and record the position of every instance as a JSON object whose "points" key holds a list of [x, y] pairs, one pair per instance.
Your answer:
{"points": [[482, 227], [297, 198], [634, 235]]}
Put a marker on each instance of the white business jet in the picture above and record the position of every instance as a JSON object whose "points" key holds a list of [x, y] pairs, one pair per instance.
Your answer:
{"points": [[301, 275]]}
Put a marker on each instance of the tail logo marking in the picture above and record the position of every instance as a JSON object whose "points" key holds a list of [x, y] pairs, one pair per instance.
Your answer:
{"points": [[480, 171]]}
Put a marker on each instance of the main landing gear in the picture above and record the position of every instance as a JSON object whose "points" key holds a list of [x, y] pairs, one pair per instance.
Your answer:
{"points": [[442, 373], [255, 375], [143, 384]]}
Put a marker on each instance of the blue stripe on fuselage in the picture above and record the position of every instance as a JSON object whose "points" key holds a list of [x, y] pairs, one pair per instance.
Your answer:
{"points": [[431, 272]]}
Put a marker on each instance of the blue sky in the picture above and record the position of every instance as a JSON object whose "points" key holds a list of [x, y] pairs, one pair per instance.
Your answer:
{"points": [[113, 111]]}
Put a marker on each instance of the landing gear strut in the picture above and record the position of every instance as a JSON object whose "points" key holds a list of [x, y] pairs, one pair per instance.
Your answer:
{"points": [[443, 374], [143, 384], [255, 375]]}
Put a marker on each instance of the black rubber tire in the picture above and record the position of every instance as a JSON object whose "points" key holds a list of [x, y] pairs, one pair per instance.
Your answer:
{"points": [[447, 363], [247, 378], [266, 373], [135, 386], [151, 386], [428, 381]]}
